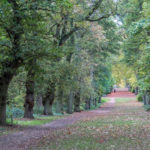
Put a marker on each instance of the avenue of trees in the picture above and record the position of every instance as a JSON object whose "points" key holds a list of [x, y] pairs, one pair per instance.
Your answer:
{"points": [[55, 51], [58, 55], [136, 46]]}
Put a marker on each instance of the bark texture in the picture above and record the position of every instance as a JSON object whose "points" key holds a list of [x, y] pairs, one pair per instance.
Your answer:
{"points": [[70, 103], [100, 99], [4, 83], [59, 103], [29, 99], [49, 99], [77, 102]]}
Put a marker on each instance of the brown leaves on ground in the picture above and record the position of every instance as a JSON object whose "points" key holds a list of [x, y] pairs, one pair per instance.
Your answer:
{"points": [[126, 127]]}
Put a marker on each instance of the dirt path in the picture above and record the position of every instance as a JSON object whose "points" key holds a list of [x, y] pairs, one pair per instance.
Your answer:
{"points": [[121, 124], [22, 139]]}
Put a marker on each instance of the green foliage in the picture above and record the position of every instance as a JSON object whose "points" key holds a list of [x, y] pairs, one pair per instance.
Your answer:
{"points": [[38, 110], [14, 112], [147, 107], [64, 42], [140, 97], [136, 44]]}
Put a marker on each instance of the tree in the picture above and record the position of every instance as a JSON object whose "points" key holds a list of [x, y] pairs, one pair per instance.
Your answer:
{"points": [[18, 23]]}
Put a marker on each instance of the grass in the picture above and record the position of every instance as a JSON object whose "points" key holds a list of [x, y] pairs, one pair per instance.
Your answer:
{"points": [[40, 120], [126, 128], [20, 123], [104, 100], [123, 100]]}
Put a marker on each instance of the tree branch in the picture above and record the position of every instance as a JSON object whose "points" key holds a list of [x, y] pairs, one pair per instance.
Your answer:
{"points": [[66, 36], [100, 18], [5, 46], [96, 6]]}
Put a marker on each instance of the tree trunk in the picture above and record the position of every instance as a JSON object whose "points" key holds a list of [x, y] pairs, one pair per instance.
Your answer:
{"points": [[39, 100], [4, 83], [100, 99], [86, 104], [147, 98], [136, 91], [48, 108], [91, 101], [49, 99], [70, 103], [144, 99], [59, 103], [77, 102], [95, 102], [29, 99], [59, 106]]}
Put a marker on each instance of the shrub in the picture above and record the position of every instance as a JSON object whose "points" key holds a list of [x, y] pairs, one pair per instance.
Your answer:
{"points": [[82, 108], [15, 112], [140, 97], [147, 107], [18, 101]]}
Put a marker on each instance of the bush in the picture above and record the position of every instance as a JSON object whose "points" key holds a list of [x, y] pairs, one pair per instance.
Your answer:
{"points": [[140, 97], [18, 101], [82, 108], [15, 112], [133, 90], [147, 107]]}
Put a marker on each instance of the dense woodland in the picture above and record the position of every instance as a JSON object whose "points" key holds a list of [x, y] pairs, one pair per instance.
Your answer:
{"points": [[62, 56]]}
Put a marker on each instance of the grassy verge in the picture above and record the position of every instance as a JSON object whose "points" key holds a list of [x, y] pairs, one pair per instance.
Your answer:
{"points": [[104, 100], [124, 100], [40, 120], [20, 123]]}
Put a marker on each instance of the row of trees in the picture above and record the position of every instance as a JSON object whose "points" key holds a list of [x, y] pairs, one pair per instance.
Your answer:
{"points": [[136, 46], [55, 50]]}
